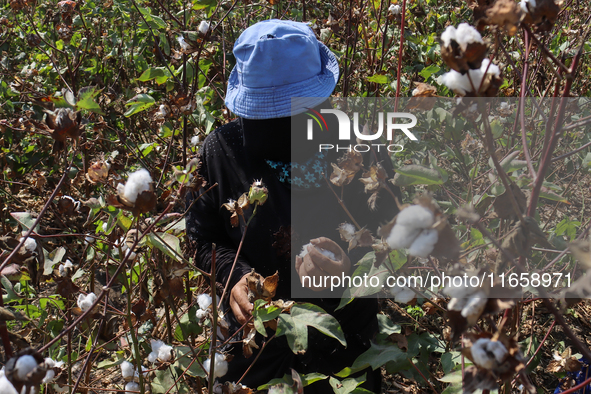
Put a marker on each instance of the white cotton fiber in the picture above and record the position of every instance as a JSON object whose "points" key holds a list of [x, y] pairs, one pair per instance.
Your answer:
{"points": [[221, 365], [30, 244], [128, 370], [203, 27], [132, 386], [463, 35], [184, 45], [475, 304], [24, 365], [481, 356], [424, 243], [461, 84], [416, 216], [160, 351], [6, 387], [347, 229], [402, 237], [137, 183], [85, 301], [204, 301]]}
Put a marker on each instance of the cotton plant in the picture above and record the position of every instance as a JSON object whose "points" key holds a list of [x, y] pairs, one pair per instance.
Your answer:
{"points": [[413, 231], [51, 366], [476, 81], [30, 244], [204, 27], [204, 301], [85, 302], [129, 372], [65, 268], [463, 35], [394, 9], [160, 351], [472, 74], [220, 366], [138, 182], [136, 195]]}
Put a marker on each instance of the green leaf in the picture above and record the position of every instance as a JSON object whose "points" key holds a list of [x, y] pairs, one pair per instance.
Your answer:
{"points": [[157, 73], [382, 79], [262, 315], [117, 359], [374, 357], [295, 326], [365, 269], [167, 243], [415, 174], [86, 100], [25, 219], [296, 334], [428, 71], [58, 255], [139, 103], [346, 386], [10, 294], [186, 362], [310, 378]]}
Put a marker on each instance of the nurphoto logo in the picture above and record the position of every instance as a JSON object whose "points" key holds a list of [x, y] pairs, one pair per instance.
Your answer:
{"points": [[345, 130]]}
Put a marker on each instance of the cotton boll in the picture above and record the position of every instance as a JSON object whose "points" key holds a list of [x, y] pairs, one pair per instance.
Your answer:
{"points": [[448, 35], [457, 82], [204, 301], [30, 244], [221, 366], [50, 363], [475, 305], [424, 243], [128, 370], [203, 27], [304, 251], [200, 314], [137, 183], [394, 290], [456, 304], [395, 9], [105, 226], [466, 34], [405, 296], [89, 240], [24, 365], [184, 45], [462, 291], [49, 376], [195, 140], [481, 356], [461, 83], [160, 351], [85, 301], [498, 349], [347, 230], [132, 386], [415, 216], [402, 237], [6, 386]]}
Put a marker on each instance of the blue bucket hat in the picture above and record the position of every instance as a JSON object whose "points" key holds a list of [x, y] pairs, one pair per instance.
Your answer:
{"points": [[275, 61]]}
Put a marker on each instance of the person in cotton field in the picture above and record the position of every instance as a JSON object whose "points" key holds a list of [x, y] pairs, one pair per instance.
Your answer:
{"points": [[275, 61]]}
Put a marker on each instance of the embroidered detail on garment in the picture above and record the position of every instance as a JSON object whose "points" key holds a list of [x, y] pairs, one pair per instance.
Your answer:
{"points": [[301, 175]]}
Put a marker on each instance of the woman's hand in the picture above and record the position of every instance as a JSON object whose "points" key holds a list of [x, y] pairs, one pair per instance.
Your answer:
{"points": [[316, 264], [239, 303]]}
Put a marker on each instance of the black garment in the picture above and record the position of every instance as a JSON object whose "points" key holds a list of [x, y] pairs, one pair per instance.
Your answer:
{"points": [[235, 155]]}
